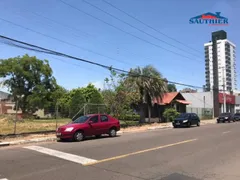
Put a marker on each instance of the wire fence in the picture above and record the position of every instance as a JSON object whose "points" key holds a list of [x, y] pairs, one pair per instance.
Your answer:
{"points": [[48, 119], [203, 113]]}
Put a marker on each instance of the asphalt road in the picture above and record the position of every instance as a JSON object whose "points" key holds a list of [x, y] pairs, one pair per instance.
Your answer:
{"points": [[210, 152]]}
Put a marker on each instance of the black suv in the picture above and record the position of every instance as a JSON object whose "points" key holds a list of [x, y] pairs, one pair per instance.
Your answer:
{"points": [[186, 119], [225, 117], [236, 117]]}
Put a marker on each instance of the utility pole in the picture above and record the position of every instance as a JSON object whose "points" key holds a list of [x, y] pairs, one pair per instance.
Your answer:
{"points": [[16, 118], [204, 105], [216, 36], [224, 94]]}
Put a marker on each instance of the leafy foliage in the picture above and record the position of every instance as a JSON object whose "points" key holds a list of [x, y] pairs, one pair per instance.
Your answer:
{"points": [[147, 88], [171, 88], [29, 80], [118, 97], [170, 114]]}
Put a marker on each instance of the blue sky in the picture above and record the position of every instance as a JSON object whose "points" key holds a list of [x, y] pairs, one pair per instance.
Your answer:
{"points": [[118, 49]]}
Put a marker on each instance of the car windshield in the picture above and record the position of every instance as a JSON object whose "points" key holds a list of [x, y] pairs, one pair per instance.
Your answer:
{"points": [[225, 114], [81, 119], [183, 115]]}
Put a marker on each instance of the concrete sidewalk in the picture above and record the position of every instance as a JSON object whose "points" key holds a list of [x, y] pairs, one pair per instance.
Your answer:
{"points": [[51, 137]]}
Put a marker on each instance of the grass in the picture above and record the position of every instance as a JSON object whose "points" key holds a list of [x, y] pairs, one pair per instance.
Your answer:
{"points": [[7, 126]]}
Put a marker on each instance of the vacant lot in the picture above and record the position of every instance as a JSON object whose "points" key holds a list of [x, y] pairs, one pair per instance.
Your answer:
{"points": [[7, 126]]}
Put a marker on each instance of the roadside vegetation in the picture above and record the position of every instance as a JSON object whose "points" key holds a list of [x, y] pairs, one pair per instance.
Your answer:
{"points": [[33, 87]]}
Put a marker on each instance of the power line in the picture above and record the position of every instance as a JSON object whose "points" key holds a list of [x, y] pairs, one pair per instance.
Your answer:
{"points": [[115, 27], [25, 45], [144, 32], [85, 33], [62, 41], [150, 26]]}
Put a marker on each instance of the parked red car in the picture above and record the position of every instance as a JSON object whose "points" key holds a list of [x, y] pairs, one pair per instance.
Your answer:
{"points": [[88, 125]]}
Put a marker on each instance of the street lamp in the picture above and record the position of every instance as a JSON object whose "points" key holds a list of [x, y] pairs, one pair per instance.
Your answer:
{"points": [[15, 122]]}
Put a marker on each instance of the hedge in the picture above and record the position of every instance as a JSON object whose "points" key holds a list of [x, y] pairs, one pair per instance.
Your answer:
{"points": [[129, 117]]}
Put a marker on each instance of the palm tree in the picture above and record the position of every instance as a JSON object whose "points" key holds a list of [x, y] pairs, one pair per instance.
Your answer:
{"points": [[148, 88]]}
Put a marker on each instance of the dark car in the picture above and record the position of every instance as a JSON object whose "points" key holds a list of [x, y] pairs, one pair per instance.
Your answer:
{"points": [[89, 125], [236, 116], [225, 117], [186, 119]]}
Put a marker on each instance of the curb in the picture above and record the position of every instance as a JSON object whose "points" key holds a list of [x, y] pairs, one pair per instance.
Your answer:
{"points": [[4, 144], [27, 141], [36, 140]]}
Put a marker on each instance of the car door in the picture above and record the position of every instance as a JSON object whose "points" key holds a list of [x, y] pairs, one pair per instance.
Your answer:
{"points": [[94, 126], [105, 124], [195, 118]]}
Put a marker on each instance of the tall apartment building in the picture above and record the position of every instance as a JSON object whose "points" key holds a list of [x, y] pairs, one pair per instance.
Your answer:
{"points": [[227, 77]]}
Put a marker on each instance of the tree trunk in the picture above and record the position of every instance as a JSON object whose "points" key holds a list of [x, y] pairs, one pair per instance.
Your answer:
{"points": [[149, 113], [142, 114]]}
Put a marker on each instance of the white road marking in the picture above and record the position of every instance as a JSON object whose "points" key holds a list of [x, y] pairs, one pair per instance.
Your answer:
{"points": [[226, 132], [62, 155], [4, 179]]}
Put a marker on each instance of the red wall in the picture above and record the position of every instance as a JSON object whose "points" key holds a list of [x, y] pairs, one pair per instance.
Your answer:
{"points": [[230, 99]]}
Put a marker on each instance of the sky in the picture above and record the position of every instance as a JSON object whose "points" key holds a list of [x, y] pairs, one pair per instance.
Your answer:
{"points": [[115, 43]]}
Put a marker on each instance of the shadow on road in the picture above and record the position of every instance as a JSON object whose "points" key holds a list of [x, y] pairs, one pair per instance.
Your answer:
{"points": [[88, 139]]}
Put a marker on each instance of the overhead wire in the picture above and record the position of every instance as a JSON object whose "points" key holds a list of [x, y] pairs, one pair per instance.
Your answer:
{"points": [[115, 27], [24, 45], [142, 31], [147, 25], [62, 41], [87, 34]]}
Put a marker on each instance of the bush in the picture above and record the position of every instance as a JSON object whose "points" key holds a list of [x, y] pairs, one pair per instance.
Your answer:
{"points": [[170, 114], [125, 124], [129, 117]]}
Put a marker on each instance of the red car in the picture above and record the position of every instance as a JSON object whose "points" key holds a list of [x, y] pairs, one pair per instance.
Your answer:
{"points": [[88, 125]]}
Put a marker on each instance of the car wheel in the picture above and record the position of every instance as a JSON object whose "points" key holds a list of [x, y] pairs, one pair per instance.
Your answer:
{"points": [[229, 121], [174, 126], [98, 136], [189, 125], [112, 132], [218, 122], [198, 123], [78, 136]]}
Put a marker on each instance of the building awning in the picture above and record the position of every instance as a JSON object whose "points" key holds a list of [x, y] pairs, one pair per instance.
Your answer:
{"points": [[182, 101]]}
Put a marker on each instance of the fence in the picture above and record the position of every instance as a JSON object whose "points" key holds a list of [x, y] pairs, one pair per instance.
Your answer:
{"points": [[46, 120], [203, 113]]}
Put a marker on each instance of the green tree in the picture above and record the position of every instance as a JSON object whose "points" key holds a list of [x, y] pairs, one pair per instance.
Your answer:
{"points": [[92, 94], [57, 96], [29, 78], [148, 88], [119, 97], [170, 114], [171, 88], [76, 102]]}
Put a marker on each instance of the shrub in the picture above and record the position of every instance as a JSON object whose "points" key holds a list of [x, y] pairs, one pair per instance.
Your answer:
{"points": [[170, 114], [129, 117]]}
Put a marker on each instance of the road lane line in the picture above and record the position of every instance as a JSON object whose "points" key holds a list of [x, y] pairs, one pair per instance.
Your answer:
{"points": [[138, 152], [226, 132], [4, 179], [62, 155]]}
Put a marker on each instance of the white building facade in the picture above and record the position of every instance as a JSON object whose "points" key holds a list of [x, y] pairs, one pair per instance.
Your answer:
{"points": [[227, 77]]}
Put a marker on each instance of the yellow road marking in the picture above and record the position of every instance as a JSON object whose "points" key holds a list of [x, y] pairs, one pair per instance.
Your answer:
{"points": [[138, 152]]}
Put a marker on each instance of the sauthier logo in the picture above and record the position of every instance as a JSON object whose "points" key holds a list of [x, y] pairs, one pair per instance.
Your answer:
{"points": [[210, 19]]}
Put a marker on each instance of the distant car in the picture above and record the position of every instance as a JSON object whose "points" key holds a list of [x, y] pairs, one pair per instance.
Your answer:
{"points": [[236, 117], [225, 117], [89, 125], [186, 119]]}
